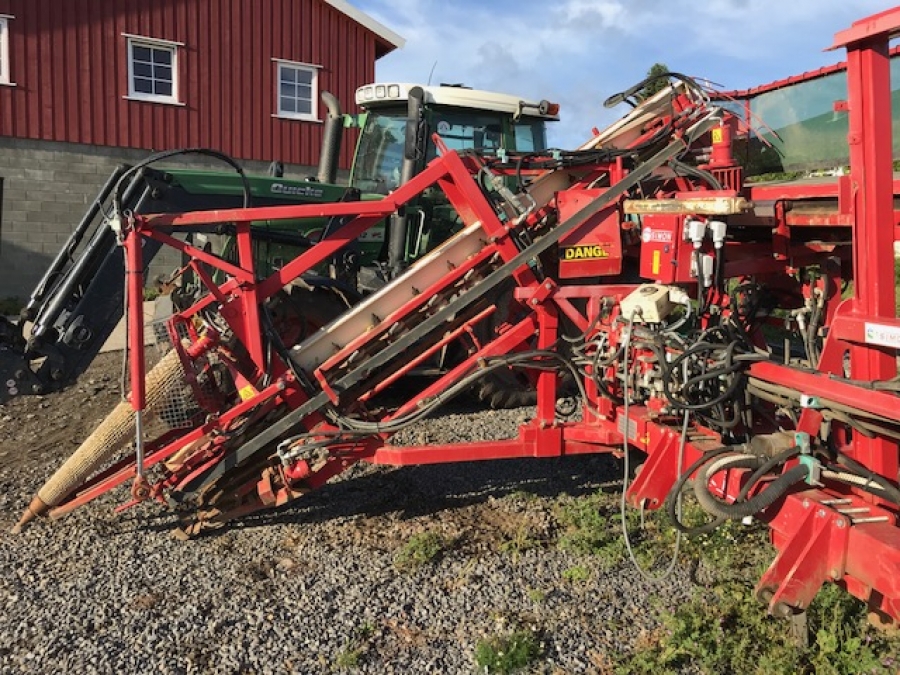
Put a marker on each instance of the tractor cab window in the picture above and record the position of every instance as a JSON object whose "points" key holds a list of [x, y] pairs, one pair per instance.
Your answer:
{"points": [[467, 131], [379, 156], [529, 135]]}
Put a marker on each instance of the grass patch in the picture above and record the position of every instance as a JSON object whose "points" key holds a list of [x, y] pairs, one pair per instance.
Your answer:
{"points": [[151, 293], [523, 539], [590, 526], [776, 176], [725, 631], [351, 656], [347, 658], [577, 574], [507, 653], [421, 549], [536, 595], [732, 550]]}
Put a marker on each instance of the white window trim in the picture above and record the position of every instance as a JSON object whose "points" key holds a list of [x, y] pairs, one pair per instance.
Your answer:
{"points": [[4, 51], [313, 116], [141, 40]]}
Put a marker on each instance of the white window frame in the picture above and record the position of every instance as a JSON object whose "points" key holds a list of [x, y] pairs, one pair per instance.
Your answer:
{"points": [[4, 50], [313, 114], [133, 41]]}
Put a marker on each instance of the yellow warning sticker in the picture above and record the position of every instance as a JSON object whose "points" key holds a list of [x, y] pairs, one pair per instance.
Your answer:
{"points": [[247, 392], [592, 252], [717, 135], [654, 263]]}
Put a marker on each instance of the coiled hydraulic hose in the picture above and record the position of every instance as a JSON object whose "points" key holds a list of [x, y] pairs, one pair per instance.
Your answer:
{"points": [[709, 464], [776, 490], [763, 469]]}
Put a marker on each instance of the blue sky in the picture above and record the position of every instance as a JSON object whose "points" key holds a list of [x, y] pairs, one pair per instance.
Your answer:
{"points": [[578, 52]]}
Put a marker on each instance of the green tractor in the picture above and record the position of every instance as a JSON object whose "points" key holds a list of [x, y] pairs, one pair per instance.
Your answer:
{"points": [[78, 302]]}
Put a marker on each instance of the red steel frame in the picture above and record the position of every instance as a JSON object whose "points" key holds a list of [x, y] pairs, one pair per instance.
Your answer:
{"points": [[816, 540]]}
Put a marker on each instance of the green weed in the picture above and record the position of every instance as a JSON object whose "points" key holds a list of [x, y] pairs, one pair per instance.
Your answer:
{"points": [[576, 574], [351, 655], [731, 549], [591, 526], [522, 540], [507, 653], [724, 631], [347, 658], [536, 595], [421, 548]]}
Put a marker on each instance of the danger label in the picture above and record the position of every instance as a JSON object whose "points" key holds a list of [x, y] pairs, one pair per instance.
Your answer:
{"points": [[592, 252]]}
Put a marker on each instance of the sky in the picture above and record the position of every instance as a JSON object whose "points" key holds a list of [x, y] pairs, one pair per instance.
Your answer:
{"points": [[579, 52]]}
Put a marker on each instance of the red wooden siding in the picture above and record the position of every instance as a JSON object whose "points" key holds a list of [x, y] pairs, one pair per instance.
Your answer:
{"points": [[70, 66]]}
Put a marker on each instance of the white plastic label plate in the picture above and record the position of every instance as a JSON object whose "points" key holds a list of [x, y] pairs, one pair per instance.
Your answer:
{"points": [[881, 334]]}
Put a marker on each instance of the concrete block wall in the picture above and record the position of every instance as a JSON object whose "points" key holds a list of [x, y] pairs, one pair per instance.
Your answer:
{"points": [[48, 186]]}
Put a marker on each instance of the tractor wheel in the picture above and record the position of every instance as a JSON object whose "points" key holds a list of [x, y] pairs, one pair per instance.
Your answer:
{"points": [[301, 311], [504, 388]]}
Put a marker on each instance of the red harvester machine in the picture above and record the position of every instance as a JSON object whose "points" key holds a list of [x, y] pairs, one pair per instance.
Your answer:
{"points": [[638, 267]]}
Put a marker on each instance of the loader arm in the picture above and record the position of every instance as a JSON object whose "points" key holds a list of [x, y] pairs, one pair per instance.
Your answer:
{"points": [[77, 303], [80, 298]]}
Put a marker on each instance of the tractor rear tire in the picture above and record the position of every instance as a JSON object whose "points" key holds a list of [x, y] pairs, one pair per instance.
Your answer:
{"points": [[505, 387]]}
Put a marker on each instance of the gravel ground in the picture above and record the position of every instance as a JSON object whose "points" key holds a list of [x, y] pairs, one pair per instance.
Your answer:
{"points": [[314, 587]]}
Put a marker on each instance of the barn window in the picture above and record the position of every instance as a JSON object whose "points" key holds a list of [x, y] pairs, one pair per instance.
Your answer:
{"points": [[4, 49], [152, 69], [297, 93]]}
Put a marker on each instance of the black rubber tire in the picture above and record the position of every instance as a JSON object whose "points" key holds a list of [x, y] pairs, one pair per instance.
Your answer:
{"points": [[309, 309], [505, 387]]}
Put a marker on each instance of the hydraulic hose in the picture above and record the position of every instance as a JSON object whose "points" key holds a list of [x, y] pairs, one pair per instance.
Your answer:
{"points": [[121, 184], [856, 481], [776, 490], [855, 467], [672, 497], [707, 458]]}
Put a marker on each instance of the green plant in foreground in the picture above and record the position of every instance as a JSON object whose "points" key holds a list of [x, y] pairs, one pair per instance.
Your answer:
{"points": [[521, 541], [725, 631], [591, 526], [507, 653], [419, 550], [731, 549], [536, 595], [576, 574], [347, 658], [351, 655]]}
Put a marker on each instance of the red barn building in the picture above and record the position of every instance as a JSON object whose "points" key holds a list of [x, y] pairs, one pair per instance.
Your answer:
{"points": [[87, 84]]}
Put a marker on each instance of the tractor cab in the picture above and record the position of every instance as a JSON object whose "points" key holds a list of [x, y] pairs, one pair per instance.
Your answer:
{"points": [[396, 141], [399, 120]]}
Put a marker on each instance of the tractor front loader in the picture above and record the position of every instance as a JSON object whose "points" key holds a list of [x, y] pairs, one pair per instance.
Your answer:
{"points": [[79, 300]]}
